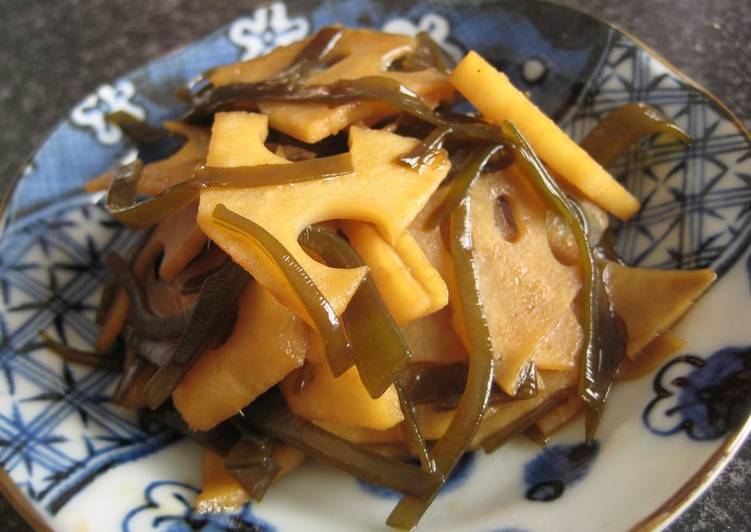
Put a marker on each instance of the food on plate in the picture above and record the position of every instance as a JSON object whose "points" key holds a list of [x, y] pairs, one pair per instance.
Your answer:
{"points": [[337, 264]]}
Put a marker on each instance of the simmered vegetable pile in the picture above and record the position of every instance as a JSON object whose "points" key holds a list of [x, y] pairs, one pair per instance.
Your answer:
{"points": [[339, 265]]}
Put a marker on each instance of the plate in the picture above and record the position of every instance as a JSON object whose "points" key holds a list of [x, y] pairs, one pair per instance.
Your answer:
{"points": [[72, 460]]}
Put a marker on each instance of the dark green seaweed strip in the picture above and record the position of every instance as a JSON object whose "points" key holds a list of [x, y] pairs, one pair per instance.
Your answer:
{"points": [[251, 464], [110, 359], [378, 346], [444, 384], [220, 439], [460, 184], [273, 418], [412, 432], [327, 323], [215, 307], [432, 52], [595, 376], [276, 174], [611, 350], [316, 54], [136, 129], [142, 320], [313, 56], [498, 439], [627, 124], [246, 96], [122, 204], [131, 368], [469, 414], [427, 150]]}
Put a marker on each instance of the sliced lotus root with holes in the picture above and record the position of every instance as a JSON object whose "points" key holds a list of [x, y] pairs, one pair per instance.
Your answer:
{"points": [[158, 176], [259, 68], [359, 53], [525, 289], [380, 191], [181, 239]]}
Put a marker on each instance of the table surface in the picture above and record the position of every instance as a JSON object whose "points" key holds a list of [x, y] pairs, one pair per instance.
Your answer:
{"points": [[52, 52]]}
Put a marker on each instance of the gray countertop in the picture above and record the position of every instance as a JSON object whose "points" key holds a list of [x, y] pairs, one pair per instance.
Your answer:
{"points": [[52, 52]]}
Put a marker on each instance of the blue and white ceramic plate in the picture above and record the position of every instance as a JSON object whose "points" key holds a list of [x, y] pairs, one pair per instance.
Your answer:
{"points": [[75, 461]]}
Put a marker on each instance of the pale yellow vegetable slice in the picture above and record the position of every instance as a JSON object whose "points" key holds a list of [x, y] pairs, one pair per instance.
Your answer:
{"points": [[222, 493], [559, 417], [158, 176], [288, 459], [316, 352], [433, 339], [182, 241], [219, 491], [405, 298], [491, 92], [558, 349], [434, 421], [363, 436], [651, 357], [423, 270], [161, 175], [430, 240], [525, 290], [362, 53], [359, 53], [258, 68], [267, 343], [409, 285], [380, 191], [340, 400], [651, 301]]}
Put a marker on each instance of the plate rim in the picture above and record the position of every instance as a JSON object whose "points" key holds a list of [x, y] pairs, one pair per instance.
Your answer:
{"points": [[699, 482], [670, 509]]}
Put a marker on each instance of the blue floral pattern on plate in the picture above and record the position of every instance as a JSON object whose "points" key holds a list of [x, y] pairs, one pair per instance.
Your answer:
{"points": [[168, 507], [703, 398], [556, 468]]}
